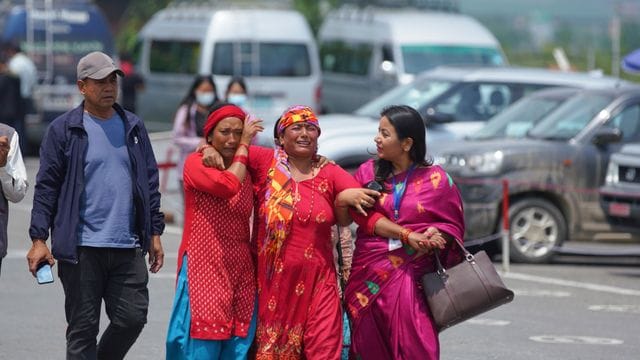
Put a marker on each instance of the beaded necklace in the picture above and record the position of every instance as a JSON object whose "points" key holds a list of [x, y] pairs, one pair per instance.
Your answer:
{"points": [[298, 197]]}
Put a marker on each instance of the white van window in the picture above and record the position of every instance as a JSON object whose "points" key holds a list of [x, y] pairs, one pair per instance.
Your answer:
{"points": [[273, 59], [418, 58], [170, 56], [346, 58]]}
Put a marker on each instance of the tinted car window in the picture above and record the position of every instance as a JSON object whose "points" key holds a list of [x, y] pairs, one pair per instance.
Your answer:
{"points": [[628, 121], [284, 60], [516, 120], [273, 59], [418, 58], [475, 101], [416, 94], [570, 118], [174, 57], [346, 58]]}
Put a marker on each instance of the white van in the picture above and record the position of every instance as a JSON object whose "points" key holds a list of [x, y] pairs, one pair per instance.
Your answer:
{"points": [[364, 52], [273, 49]]}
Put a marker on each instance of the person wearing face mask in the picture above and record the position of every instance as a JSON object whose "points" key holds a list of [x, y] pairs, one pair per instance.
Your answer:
{"points": [[236, 92], [188, 123]]}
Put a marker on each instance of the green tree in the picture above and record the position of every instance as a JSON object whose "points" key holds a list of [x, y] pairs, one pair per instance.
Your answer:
{"points": [[137, 14], [314, 11]]}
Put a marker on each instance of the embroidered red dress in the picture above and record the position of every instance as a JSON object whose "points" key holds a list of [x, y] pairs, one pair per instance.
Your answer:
{"points": [[299, 313], [221, 274]]}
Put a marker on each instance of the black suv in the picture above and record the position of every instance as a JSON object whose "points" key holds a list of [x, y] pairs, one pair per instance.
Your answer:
{"points": [[554, 173]]}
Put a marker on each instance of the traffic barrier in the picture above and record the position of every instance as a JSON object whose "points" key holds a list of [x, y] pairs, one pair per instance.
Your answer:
{"points": [[506, 233], [164, 168]]}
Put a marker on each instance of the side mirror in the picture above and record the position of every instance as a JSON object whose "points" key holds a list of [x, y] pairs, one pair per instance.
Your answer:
{"points": [[434, 117], [606, 135]]}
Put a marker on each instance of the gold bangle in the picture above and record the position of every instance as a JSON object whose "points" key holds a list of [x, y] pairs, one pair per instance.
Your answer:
{"points": [[404, 235]]}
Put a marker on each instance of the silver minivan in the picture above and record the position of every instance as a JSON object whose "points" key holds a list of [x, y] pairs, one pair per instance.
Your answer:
{"points": [[364, 52], [273, 49]]}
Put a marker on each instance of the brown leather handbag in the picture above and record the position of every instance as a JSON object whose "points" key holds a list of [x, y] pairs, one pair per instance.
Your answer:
{"points": [[465, 290]]}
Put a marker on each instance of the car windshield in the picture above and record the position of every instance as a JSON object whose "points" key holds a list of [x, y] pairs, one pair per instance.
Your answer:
{"points": [[418, 58], [416, 94], [516, 120], [569, 119]]}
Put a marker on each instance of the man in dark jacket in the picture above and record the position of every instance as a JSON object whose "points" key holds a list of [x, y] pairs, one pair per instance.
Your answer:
{"points": [[97, 191]]}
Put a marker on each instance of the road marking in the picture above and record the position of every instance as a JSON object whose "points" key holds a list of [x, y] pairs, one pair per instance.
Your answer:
{"points": [[634, 309], [570, 283], [542, 293], [582, 340], [489, 322]]}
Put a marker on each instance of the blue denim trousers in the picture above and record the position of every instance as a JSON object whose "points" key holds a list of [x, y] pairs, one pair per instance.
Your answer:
{"points": [[117, 276]]}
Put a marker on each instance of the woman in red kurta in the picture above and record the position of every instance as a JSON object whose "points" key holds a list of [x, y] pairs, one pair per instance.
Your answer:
{"points": [[216, 292], [299, 313]]}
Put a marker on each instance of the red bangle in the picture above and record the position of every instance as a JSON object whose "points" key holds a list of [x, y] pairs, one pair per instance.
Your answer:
{"points": [[404, 235], [241, 159], [244, 145]]}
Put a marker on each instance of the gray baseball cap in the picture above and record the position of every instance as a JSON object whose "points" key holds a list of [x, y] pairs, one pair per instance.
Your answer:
{"points": [[97, 65]]}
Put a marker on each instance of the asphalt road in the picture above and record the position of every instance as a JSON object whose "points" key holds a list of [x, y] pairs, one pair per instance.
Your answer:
{"points": [[582, 308]]}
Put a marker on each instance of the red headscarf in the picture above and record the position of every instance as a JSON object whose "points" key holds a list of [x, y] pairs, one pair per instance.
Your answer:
{"points": [[223, 112]]}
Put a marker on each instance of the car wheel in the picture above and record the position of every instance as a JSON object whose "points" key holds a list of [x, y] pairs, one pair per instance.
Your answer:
{"points": [[537, 227]]}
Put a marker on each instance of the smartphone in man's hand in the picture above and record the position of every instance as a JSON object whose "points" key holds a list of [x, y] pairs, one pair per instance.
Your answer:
{"points": [[44, 274]]}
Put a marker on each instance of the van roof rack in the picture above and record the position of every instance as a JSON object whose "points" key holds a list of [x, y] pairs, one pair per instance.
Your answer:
{"points": [[436, 5], [278, 4]]}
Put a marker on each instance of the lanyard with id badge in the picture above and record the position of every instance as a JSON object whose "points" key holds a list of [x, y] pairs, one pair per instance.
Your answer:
{"points": [[398, 193]]}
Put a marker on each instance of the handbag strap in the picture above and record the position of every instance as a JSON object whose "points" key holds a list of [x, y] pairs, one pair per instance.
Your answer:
{"points": [[436, 253]]}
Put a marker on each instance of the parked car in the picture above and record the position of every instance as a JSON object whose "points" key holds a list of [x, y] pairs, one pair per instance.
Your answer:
{"points": [[554, 173], [442, 98], [366, 51], [620, 195]]}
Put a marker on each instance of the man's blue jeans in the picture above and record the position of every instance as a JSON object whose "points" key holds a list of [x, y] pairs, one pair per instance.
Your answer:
{"points": [[117, 276]]}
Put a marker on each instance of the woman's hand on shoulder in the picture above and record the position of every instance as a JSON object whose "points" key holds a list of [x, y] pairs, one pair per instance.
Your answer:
{"points": [[359, 198], [212, 158], [320, 161]]}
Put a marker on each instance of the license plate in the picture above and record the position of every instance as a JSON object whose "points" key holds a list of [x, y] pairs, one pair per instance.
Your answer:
{"points": [[619, 209]]}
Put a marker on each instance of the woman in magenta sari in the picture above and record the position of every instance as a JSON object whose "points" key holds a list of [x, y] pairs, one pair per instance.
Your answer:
{"points": [[390, 318]]}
